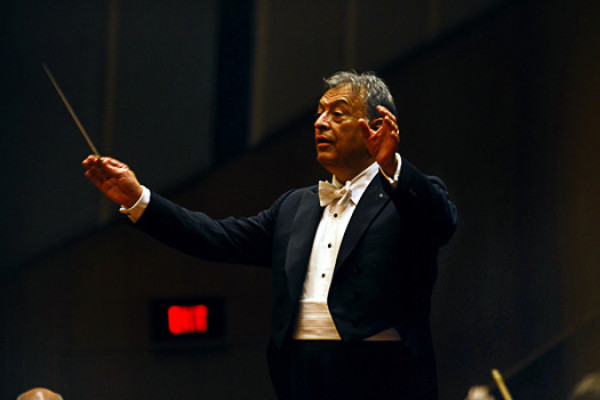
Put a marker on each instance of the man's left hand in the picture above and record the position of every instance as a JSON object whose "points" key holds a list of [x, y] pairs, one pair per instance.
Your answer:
{"points": [[383, 142]]}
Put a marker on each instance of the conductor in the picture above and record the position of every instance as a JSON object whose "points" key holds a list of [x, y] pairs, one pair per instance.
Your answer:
{"points": [[353, 261]]}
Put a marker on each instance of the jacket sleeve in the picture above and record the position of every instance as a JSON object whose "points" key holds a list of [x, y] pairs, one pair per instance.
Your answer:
{"points": [[428, 203], [229, 240]]}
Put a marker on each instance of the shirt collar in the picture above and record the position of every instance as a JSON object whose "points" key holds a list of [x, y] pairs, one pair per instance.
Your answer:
{"points": [[359, 183]]}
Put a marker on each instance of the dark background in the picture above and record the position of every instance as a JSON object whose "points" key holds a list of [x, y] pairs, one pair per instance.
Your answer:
{"points": [[211, 104]]}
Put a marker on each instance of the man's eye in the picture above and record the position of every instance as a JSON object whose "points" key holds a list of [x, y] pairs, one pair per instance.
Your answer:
{"points": [[336, 115]]}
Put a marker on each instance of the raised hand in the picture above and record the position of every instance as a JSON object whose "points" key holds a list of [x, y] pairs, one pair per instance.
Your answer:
{"points": [[382, 142], [114, 179]]}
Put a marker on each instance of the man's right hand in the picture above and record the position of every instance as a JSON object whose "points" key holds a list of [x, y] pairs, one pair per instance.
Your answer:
{"points": [[114, 179]]}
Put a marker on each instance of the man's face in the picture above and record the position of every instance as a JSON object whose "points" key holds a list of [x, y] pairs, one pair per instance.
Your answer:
{"points": [[340, 146]]}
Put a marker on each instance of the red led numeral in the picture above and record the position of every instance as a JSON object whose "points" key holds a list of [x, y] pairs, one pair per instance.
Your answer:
{"points": [[188, 319]]}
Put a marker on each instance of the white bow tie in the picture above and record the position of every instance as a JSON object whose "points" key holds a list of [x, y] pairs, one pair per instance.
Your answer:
{"points": [[329, 192]]}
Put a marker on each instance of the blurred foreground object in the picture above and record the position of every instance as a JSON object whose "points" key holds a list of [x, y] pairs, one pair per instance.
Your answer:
{"points": [[588, 388], [40, 394], [479, 393]]}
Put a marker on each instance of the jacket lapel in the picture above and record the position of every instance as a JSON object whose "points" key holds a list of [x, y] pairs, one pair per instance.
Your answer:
{"points": [[301, 240], [371, 202]]}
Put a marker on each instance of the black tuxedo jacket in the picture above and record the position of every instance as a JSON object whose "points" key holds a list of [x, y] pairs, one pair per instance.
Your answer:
{"points": [[385, 269]]}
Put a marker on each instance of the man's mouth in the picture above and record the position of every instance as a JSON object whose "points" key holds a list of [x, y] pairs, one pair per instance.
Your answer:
{"points": [[323, 141]]}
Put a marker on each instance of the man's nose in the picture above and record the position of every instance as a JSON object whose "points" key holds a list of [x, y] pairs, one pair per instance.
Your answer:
{"points": [[322, 122]]}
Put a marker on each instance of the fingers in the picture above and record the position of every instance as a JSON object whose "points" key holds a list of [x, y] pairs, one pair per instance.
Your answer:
{"points": [[95, 170], [389, 119], [96, 175], [365, 129], [113, 163], [113, 178], [89, 161], [100, 169], [388, 127], [104, 165], [93, 160]]}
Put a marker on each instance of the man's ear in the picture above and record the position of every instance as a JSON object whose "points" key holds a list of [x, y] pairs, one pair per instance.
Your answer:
{"points": [[376, 123]]}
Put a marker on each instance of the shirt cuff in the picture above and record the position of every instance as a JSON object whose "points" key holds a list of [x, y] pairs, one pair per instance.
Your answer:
{"points": [[135, 212], [393, 180]]}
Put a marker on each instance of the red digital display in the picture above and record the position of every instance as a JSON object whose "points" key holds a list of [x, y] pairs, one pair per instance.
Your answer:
{"points": [[188, 319]]}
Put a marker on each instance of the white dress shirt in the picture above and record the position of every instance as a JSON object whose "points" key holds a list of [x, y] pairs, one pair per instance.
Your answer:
{"points": [[314, 319]]}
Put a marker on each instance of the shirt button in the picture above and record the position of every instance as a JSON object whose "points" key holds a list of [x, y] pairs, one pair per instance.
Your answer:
{"points": [[335, 215], [322, 275], [329, 245]]}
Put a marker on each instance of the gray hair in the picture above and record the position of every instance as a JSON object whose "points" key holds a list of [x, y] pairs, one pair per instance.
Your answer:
{"points": [[366, 84]]}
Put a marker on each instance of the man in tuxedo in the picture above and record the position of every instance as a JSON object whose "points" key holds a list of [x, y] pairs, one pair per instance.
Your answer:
{"points": [[353, 260]]}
